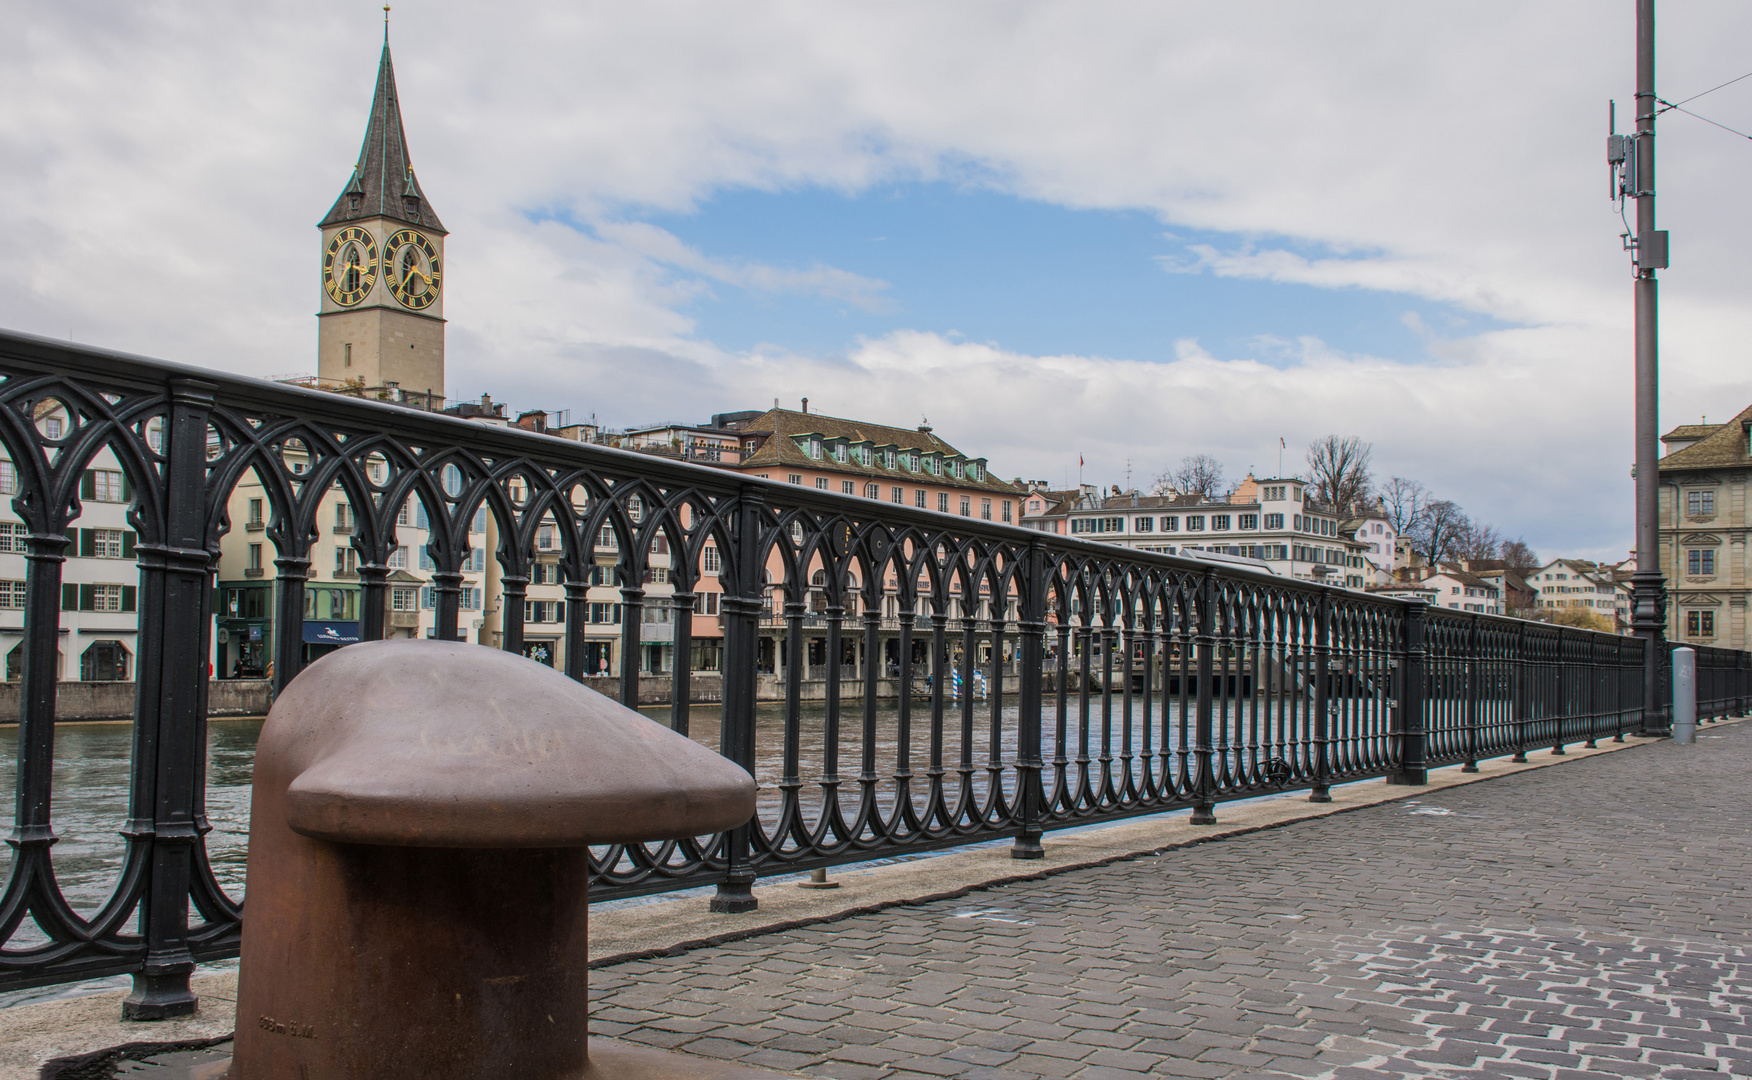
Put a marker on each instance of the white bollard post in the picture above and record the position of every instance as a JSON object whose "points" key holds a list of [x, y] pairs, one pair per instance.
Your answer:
{"points": [[1684, 695]]}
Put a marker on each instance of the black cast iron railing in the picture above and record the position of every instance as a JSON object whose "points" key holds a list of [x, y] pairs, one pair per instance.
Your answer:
{"points": [[1128, 683]]}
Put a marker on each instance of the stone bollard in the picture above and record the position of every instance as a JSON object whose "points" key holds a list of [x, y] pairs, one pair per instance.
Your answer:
{"points": [[417, 866], [1684, 694]]}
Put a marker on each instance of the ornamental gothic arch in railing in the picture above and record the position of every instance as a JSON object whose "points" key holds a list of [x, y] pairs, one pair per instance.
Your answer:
{"points": [[896, 678]]}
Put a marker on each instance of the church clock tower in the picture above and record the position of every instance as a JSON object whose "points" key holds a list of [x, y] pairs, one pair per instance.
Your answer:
{"points": [[382, 318]]}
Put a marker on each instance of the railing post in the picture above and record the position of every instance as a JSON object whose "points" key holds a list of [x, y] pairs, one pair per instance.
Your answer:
{"points": [[1322, 790], [291, 573], [1206, 644], [736, 733], [577, 618], [513, 589], [374, 582], [1593, 674], [1563, 686], [1518, 696], [447, 603], [1030, 798], [161, 987], [1413, 739], [1474, 645], [681, 672], [632, 631]]}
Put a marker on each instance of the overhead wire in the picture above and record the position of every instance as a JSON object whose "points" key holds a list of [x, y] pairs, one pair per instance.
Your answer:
{"points": [[1705, 119], [1711, 90]]}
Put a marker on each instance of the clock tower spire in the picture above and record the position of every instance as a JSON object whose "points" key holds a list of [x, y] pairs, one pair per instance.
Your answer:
{"points": [[381, 326]]}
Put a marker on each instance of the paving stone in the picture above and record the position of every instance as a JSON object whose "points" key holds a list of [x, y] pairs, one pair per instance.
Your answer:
{"points": [[1573, 923]]}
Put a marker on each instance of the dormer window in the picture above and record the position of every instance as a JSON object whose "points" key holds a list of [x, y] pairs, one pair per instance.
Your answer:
{"points": [[839, 452]]}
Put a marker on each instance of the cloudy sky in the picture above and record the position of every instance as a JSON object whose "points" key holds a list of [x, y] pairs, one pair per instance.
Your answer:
{"points": [[1121, 232]]}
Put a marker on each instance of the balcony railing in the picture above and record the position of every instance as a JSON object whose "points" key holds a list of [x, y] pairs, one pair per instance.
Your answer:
{"points": [[1181, 685]]}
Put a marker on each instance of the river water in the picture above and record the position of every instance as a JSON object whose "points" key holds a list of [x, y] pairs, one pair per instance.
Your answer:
{"points": [[92, 766]]}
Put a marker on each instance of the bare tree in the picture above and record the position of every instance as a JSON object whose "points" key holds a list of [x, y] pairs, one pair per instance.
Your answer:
{"points": [[1338, 467], [1521, 558], [1438, 535], [1199, 474], [1476, 540], [1404, 502]]}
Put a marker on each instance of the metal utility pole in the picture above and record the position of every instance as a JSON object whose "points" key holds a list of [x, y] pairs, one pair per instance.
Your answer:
{"points": [[1649, 591]]}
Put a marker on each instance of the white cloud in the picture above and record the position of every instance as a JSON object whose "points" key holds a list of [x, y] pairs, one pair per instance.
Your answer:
{"points": [[161, 171]]}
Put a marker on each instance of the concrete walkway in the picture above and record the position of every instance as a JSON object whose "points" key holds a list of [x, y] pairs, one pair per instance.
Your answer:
{"points": [[1585, 920]]}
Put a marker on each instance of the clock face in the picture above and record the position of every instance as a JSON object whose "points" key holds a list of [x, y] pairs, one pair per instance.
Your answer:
{"points": [[412, 269], [349, 267]]}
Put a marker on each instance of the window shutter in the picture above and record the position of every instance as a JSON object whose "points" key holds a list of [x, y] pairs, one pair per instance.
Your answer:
{"points": [[127, 488], [128, 592], [420, 520], [87, 598], [69, 598], [426, 597], [129, 539], [559, 611], [617, 614], [87, 544], [88, 485]]}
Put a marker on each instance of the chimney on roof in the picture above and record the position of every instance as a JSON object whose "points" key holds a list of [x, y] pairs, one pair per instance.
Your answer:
{"points": [[805, 406], [925, 424]]}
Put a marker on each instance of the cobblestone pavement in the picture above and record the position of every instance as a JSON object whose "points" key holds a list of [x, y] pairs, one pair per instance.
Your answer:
{"points": [[1588, 920]]}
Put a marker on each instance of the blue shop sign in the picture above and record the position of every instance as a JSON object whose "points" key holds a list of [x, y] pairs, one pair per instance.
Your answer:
{"points": [[330, 633]]}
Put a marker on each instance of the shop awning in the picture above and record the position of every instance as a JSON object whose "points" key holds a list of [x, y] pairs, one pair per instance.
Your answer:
{"points": [[330, 633]]}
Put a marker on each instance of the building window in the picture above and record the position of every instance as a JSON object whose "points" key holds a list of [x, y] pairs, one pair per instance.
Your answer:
{"points": [[1219, 521], [11, 537], [1195, 523], [8, 478], [1144, 524], [106, 598], [398, 558], [12, 595], [897, 495], [795, 478], [839, 452], [1170, 524], [1006, 509], [942, 502], [404, 598], [255, 513], [1700, 503], [814, 452], [1274, 521], [919, 498], [547, 538], [103, 485], [985, 509], [103, 543], [1700, 624], [872, 491], [604, 613], [1249, 521], [710, 560], [1700, 561], [255, 558], [848, 487], [1098, 525], [346, 561], [966, 506], [821, 483]]}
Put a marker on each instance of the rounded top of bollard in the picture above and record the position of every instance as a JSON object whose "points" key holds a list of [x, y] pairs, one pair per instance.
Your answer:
{"points": [[446, 744]]}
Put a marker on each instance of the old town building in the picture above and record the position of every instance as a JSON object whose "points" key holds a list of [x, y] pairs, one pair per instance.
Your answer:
{"points": [[1703, 528]]}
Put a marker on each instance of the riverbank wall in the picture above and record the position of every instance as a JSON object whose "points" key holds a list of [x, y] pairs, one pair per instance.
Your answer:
{"points": [[89, 702]]}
